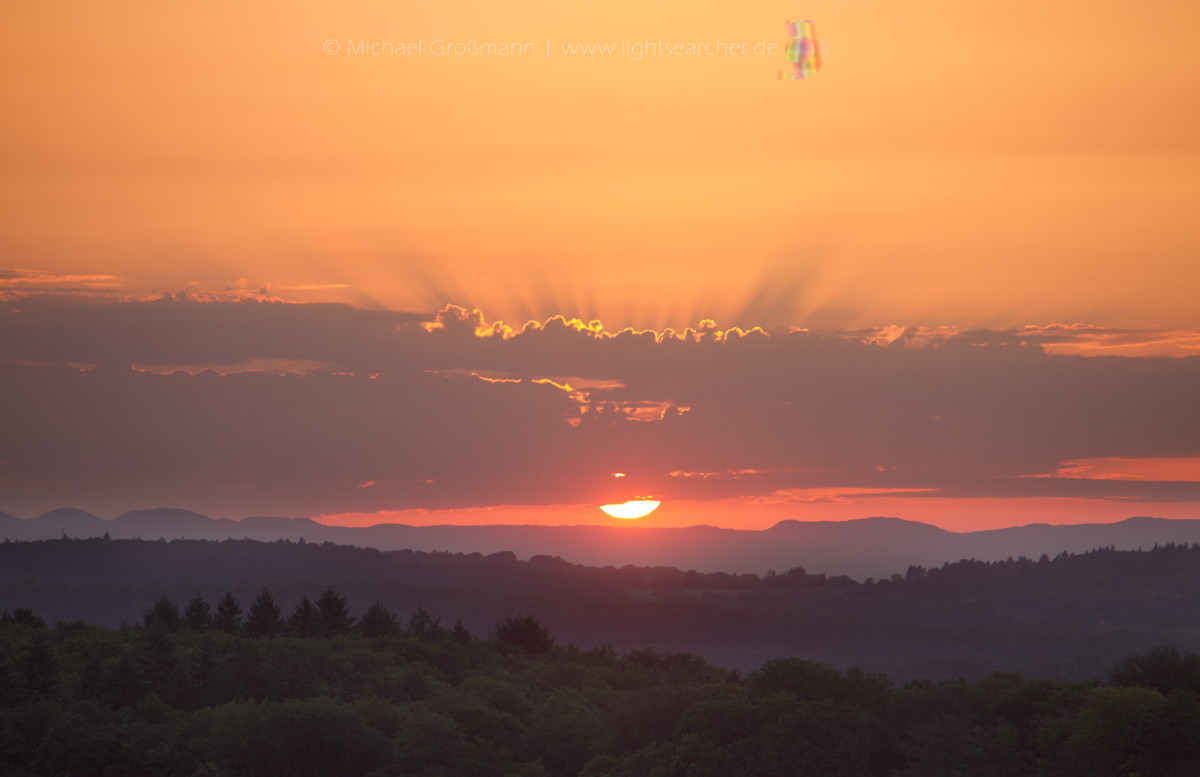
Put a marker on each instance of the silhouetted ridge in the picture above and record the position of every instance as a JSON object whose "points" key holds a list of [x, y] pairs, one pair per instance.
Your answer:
{"points": [[71, 520], [867, 547], [874, 522], [151, 520]]}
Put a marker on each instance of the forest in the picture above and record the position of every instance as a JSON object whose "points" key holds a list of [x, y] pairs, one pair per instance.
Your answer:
{"points": [[1067, 617], [212, 688]]}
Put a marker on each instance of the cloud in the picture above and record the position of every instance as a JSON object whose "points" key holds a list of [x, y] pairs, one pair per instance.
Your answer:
{"points": [[449, 410], [182, 330], [1076, 339], [254, 442], [19, 284], [831, 495], [1154, 469], [16, 278]]}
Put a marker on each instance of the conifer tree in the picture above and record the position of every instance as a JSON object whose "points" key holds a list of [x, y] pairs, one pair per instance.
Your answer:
{"points": [[424, 626], [265, 618], [379, 622], [162, 613], [198, 615], [525, 632], [229, 615], [303, 622], [333, 613]]}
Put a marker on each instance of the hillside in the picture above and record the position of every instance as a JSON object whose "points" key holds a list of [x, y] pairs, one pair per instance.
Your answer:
{"points": [[1063, 618]]}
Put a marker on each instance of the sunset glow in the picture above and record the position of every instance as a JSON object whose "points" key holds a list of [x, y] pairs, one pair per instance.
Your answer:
{"points": [[733, 254]]}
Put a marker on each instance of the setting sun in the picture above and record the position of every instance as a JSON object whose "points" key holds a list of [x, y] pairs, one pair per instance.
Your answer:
{"points": [[633, 509]]}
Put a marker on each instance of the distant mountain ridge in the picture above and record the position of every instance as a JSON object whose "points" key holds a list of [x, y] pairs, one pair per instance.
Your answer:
{"points": [[867, 547]]}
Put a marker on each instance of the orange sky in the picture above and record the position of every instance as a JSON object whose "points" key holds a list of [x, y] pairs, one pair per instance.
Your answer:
{"points": [[953, 166], [954, 163], [960, 515]]}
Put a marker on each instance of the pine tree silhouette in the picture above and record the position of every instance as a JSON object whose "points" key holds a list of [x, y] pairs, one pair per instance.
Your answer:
{"points": [[333, 613], [198, 615], [379, 622], [265, 618], [303, 622], [229, 615], [525, 632], [424, 626], [163, 613]]}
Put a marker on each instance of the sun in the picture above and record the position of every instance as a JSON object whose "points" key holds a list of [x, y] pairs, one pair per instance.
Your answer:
{"points": [[633, 509]]}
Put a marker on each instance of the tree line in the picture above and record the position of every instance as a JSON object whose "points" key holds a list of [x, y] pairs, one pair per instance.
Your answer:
{"points": [[328, 616], [1065, 617]]}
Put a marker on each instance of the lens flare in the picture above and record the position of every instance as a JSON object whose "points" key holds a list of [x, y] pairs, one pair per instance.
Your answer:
{"points": [[632, 509], [802, 49]]}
